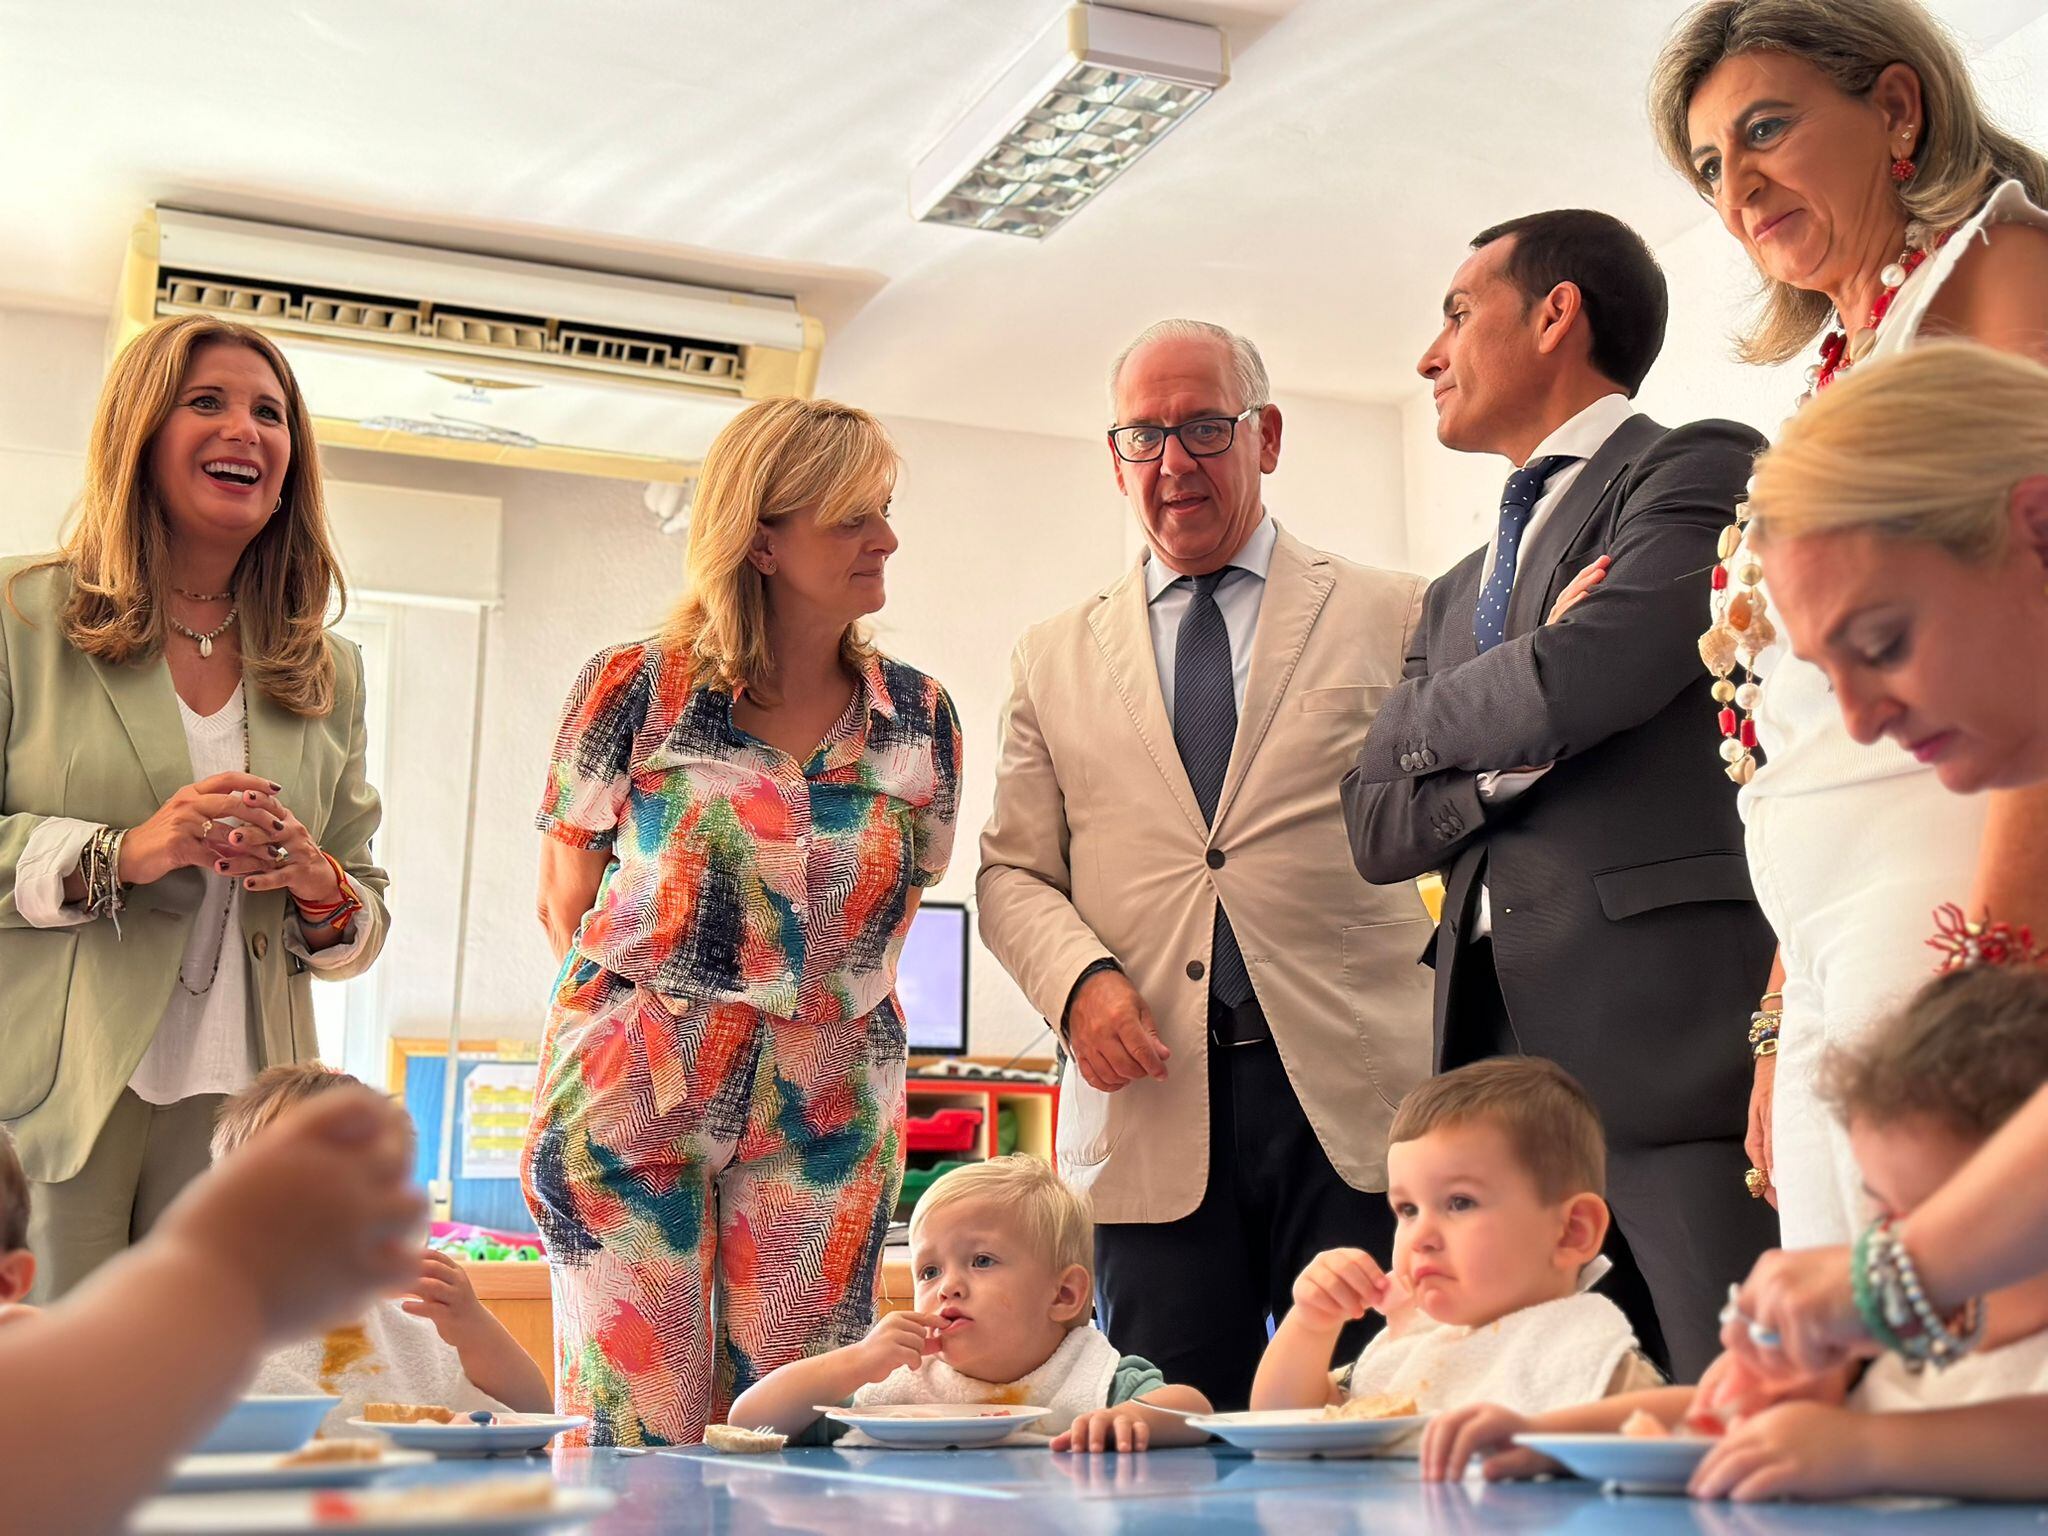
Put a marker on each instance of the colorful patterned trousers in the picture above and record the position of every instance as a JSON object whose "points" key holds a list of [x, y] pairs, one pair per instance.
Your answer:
{"points": [[713, 1191]]}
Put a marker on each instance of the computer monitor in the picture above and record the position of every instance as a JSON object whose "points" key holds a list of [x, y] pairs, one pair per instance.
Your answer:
{"points": [[931, 980]]}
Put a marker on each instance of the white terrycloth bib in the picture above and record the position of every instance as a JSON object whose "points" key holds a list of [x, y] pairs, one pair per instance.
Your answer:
{"points": [[1552, 1355], [1074, 1380], [2018, 1369]]}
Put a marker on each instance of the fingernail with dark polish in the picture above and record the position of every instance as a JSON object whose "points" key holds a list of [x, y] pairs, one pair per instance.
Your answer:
{"points": [[279, 825]]}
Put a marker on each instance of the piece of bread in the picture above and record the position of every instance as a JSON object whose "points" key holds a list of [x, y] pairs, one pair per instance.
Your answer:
{"points": [[320, 1453], [491, 1496], [1375, 1405], [408, 1413], [734, 1441]]}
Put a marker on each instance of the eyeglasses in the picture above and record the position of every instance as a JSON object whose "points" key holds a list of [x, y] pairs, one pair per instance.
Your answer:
{"points": [[1203, 438]]}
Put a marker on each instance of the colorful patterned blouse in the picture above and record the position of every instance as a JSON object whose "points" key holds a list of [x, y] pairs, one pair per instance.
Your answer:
{"points": [[741, 875]]}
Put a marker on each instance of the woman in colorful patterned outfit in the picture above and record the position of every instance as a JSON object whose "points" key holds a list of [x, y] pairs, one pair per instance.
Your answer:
{"points": [[741, 814]]}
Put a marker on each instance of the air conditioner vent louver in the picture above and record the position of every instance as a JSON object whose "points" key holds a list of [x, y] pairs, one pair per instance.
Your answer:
{"points": [[320, 312], [476, 357]]}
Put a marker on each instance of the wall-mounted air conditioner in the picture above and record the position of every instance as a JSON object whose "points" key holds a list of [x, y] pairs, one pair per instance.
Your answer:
{"points": [[411, 349]]}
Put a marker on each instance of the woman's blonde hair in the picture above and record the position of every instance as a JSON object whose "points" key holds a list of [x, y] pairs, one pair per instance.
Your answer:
{"points": [[1960, 154], [1924, 445], [778, 458], [117, 553]]}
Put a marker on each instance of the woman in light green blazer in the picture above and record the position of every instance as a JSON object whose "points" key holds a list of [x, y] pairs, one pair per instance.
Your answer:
{"points": [[184, 821]]}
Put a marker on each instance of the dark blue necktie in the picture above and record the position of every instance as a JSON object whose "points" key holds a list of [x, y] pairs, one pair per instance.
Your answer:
{"points": [[1204, 727], [1517, 503]]}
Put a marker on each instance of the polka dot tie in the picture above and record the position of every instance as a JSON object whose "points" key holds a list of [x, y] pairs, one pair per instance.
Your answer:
{"points": [[1517, 502]]}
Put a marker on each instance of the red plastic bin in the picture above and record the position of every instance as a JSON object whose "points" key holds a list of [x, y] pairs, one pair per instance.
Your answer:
{"points": [[943, 1130]]}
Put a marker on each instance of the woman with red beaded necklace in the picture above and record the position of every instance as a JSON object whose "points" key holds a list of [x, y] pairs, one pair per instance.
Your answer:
{"points": [[1841, 142]]}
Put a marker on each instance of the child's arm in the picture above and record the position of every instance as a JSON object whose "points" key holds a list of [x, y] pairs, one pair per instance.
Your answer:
{"points": [[1809, 1451], [491, 1358], [785, 1400], [296, 1226], [1338, 1287], [1128, 1427]]}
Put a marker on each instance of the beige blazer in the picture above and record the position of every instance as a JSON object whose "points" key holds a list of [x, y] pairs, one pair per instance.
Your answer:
{"points": [[1097, 848], [79, 738]]}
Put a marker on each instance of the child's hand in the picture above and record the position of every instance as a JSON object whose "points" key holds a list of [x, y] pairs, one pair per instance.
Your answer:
{"points": [[900, 1341], [1452, 1439], [1793, 1451], [1731, 1389], [1340, 1285], [443, 1295], [1122, 1428]]}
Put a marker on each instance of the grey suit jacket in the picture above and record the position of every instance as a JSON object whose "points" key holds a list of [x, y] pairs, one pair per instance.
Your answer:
{"points": [[1626, 936]]}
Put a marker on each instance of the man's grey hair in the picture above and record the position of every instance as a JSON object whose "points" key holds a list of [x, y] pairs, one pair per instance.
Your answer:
{"points": [[1247, 368]]}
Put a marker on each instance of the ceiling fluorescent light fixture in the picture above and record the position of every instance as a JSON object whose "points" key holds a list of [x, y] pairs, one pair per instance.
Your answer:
{"points": [[1092, 93]]}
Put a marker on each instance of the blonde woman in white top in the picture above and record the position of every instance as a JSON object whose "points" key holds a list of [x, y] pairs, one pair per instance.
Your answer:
{"points": [[1842, 143], [184, 821]]}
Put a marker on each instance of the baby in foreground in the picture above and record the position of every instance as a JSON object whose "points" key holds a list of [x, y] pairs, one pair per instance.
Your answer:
{"points": [[433, 1346], [1923, 1093], [1001, 1258], [1496, 1173]]}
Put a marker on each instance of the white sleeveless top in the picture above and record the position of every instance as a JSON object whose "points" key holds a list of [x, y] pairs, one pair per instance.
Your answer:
{"points": [[1799, 725]]}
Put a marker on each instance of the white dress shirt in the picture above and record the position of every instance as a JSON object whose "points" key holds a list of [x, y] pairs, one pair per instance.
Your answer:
{"points": [[1239, 599], [203, 1044], [1581, 437]]}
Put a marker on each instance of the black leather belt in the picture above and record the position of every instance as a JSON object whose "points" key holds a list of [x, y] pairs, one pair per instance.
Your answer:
{"points": [[1243, 1025]]}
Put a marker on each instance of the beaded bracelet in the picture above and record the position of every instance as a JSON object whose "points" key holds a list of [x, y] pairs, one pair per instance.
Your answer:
{"points": [[1865, 1293], [1763, 1032], [1923, 1337]]}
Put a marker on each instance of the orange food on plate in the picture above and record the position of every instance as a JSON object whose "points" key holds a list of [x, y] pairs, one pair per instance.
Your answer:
{"points": [[408, 1413], [1375, 1405]]}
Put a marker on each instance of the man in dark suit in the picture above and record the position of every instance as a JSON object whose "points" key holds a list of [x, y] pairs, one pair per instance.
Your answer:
{"points": [[1554, 752]]}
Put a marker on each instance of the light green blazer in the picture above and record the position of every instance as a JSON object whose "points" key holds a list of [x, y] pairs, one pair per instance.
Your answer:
{"points": [[80, 738]]}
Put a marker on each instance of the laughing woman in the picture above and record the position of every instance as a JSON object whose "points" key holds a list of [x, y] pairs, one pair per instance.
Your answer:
{"points": [[741, 815], [184, 821]]}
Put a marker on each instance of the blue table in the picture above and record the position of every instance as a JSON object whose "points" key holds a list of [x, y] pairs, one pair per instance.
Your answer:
{"points": [[1164, 1493]]}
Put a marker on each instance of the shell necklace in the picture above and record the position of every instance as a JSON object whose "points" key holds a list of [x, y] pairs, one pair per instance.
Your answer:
{"points": [[205, 640]]}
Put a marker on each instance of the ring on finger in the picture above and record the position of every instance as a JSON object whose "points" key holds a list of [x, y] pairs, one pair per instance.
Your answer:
{"points": [[206, 828], [1763, 1336], [279, 854], [1732, 1312]]}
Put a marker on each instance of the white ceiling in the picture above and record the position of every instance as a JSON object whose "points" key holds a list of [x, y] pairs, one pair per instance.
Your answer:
{"points": [[1318, 203]]}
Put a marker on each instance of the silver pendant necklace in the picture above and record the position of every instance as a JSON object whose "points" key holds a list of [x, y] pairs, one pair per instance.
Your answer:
{"points": [[206, 640]]}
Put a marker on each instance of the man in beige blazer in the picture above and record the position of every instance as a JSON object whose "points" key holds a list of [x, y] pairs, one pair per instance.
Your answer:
{"points": [[1166, 876]]}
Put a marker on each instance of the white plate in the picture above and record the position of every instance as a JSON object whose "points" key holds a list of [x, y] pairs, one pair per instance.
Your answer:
{"points": [[264, 1469], [1307, 1432], [1633, 1463], [952, 1426], [277, 1423], [287, 1514], [513, 1433]]}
